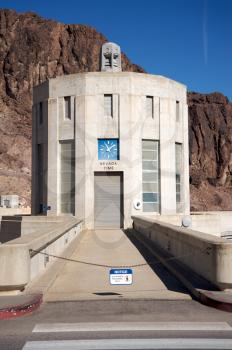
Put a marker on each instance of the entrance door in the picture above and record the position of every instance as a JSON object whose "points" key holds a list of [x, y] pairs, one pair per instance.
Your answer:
{"points": [[108, 200]]}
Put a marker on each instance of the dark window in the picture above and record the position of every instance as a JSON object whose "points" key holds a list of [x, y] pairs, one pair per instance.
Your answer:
{"points": [[67, 107], [41, 113], [41, 177], [177, 111]]}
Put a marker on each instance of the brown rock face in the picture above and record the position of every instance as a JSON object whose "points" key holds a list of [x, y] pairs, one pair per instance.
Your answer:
{"points": [[210, 140], [32, 50]]}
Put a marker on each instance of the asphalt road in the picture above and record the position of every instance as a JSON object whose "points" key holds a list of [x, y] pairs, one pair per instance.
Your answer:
{"points": [[119, 324]]}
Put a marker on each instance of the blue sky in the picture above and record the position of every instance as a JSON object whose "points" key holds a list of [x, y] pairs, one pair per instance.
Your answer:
{"points": [[187, 40]]}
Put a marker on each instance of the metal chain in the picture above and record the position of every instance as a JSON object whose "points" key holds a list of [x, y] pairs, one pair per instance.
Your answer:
{"points": [[150, 262]]}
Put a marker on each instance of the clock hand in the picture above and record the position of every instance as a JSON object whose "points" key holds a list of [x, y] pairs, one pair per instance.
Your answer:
{"points": [[108, 150], [111, 147]]}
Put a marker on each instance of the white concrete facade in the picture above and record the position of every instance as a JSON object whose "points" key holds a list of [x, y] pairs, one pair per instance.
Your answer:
{"points": [[129, 124]]}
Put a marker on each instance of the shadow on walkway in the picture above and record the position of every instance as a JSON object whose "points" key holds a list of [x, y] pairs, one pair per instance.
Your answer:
{"points": [[170, 281]]}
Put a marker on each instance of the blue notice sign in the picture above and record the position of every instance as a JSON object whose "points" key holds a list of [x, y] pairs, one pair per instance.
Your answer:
{"points": [[121, 276]]}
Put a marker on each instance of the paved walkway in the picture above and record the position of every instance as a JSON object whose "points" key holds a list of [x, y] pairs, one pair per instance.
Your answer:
{"points": [[78, 281], [68, 279]]}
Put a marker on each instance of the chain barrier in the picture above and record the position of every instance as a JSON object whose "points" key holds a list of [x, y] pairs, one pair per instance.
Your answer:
{"points": [[149, 262]]}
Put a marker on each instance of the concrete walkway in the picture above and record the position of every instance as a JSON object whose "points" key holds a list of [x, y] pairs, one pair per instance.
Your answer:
{"points": [[110, 248], [68, 279]]}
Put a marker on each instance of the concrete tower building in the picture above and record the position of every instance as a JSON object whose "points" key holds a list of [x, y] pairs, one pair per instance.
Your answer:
{"points": [[110, 144]]}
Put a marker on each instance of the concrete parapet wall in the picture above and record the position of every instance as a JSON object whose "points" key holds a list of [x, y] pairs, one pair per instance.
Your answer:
{"points": [[24, 258], [12, 227], [207, 255], [214, 223], [15, 211], [15, 266]]}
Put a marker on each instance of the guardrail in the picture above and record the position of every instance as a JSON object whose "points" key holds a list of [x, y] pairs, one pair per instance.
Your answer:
{"points": [[207, 255], [21, 259]]}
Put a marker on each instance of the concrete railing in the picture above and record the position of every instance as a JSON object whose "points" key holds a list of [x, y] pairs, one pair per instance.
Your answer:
{"points": [[207, 255], [12, 227], [15, 211], [215, 223], [24, 258]]}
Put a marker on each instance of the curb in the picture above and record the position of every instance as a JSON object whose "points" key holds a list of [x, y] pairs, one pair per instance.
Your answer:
{"points": [[206, 297], [217, 302], [21, 309]]}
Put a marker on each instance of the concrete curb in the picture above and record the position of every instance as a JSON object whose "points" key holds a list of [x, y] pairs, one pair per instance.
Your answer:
{"points": [[20, 308], [213, 298], [217, 301]]}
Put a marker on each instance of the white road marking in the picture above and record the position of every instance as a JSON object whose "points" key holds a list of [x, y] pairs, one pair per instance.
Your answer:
{"points": [[130, 344], [131, 326]]}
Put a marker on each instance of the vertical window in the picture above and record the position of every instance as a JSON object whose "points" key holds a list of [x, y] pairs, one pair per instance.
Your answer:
{"points": [[67, 177], [108, 105], [151, 176], [41, 176], [178, 152], [67, 107], [177, 111], [41, 113], [149, 106]]}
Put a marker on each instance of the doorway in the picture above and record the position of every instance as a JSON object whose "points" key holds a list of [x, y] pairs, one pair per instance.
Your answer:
{"points": [[108, 200]]}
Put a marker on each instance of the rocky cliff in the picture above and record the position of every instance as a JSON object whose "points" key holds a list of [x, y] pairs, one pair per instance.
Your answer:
{"points": [[210, 140], [33, 49]]}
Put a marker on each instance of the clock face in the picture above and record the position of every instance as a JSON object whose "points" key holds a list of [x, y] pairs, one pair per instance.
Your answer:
{"points": [[108, 149]]}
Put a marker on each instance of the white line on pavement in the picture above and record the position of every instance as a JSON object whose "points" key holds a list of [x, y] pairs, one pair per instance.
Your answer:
{"points": [[131, 344], [131, 326]]}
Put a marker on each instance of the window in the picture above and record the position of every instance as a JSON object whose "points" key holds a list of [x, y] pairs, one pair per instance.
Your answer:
{"points": [[108, 105], [67, 177], [41, 176], [177, 111], [67, 107], [41, 113], [149, 106], [178, 151], [151, 177]]}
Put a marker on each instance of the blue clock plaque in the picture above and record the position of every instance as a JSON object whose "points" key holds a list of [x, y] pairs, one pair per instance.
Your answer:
{"points": [[108, 149]]}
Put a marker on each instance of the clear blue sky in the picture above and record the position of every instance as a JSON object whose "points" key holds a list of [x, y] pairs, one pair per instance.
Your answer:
{"points": [[187, 40]]}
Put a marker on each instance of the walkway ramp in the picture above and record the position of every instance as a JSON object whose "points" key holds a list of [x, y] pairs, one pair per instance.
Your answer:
{"points": [[85, 275]]}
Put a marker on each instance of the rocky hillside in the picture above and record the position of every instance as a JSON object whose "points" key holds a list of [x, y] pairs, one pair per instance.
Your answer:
{"points": [[210, 138], [33, 49]]}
